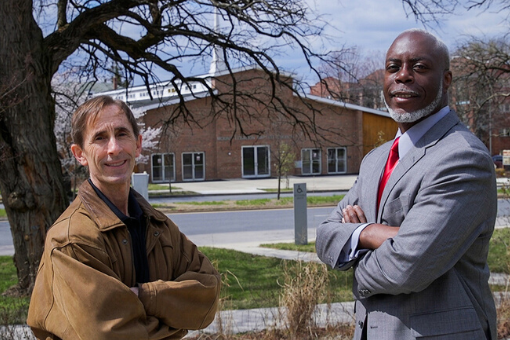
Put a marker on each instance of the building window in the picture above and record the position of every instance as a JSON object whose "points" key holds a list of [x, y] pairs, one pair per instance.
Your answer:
{"points": [[337, 160], [256, 161], [193, 166], [504, 133], [310, 161], [163, 167]]}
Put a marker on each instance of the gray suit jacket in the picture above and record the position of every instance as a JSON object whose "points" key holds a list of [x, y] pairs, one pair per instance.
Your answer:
{"points": [[431, 280]]}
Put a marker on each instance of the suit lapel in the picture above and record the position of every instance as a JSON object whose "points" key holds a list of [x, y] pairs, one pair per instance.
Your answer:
{"points": [[419, 150], [373, 180]]}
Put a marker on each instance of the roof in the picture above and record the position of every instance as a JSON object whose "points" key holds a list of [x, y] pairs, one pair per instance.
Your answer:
{"points": [[346, 105], [164, 93]]}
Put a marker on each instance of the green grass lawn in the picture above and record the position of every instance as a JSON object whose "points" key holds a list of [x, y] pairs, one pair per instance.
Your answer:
{"points": [[254, 281], [7, 273], [499, 251], [203, 203], [11, 308], [498, 259], [250, 281], [310, 247], [311, 200], [153, 186]]}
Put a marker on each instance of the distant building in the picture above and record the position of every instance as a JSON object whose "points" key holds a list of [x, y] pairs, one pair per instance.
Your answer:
{"points": [[366, 92], [209, 149]]}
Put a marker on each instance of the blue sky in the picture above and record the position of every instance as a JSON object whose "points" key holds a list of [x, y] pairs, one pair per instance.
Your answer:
{"points": [[372, 25]]}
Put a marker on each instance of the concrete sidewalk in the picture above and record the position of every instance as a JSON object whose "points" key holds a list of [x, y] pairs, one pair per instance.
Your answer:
{"points": [[250, 186], [242, 186]]}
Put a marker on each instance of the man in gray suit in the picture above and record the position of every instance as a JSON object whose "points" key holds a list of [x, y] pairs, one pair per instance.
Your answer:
{"points": [[419, 247]]}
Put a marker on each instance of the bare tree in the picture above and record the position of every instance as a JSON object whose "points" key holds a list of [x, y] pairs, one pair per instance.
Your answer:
{"points": [[354, 77], [481, 71], [283, 149], [284, 162], [142, 37], [40, 37]]}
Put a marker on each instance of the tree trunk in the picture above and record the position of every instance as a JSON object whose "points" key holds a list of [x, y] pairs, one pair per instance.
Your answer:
{"points": [[30, 171]]}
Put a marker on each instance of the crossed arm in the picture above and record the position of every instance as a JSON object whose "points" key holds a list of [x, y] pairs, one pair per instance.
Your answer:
{"points": [[374, 234], [78, 294]]}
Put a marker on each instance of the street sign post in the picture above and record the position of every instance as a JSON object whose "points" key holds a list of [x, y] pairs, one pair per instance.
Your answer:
{"points": [[300, 214]]}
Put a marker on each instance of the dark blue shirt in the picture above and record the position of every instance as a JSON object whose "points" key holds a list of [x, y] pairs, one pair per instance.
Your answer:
{"points": [[136, 225]]}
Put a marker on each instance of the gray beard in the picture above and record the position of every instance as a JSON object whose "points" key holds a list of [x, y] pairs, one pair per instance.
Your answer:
{"points": [[411, 117]]}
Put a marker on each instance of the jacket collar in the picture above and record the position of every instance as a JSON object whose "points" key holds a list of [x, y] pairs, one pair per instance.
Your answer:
{"points": [[105, 218], [429, 139]]}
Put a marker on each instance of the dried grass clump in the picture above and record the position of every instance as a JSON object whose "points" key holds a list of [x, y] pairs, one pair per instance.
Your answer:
{"points": [[304, 287], [503, 312]]}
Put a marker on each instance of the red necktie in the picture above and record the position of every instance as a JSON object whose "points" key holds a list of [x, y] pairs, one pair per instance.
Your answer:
{"points": [[388, 169]]}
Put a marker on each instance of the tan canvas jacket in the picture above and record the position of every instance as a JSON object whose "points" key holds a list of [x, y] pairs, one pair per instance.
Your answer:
{"points": [[82, 289]]}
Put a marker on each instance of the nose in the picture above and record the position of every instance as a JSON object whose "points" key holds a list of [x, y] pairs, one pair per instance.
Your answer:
{"points": [[404, 75], [113, 146]]}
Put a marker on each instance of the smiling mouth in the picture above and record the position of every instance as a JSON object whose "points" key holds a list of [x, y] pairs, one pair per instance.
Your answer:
{"points": [[403, 94], [116, 164]]}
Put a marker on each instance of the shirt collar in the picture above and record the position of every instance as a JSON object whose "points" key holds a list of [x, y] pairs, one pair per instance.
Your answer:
{"points": [[413, 135], [134, 209]]}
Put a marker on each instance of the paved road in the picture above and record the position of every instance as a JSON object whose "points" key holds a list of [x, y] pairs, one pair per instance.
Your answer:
{"points": [[6, 247], [224, 228], [241, 228], [245, 227]]}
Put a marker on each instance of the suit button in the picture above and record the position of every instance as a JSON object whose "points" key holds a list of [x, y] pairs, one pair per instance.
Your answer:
{"points": [[360, 324], [363, 292]]}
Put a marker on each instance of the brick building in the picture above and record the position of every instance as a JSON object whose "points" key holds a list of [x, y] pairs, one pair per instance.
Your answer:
{"points": [[366, 92], [210, 148]]}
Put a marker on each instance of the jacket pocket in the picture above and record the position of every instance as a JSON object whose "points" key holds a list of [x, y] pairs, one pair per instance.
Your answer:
{"points": [[460, 323], [395, 211]]}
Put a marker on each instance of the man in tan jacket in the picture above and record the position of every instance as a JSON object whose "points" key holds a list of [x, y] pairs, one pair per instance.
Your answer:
{"points": [[113, 267]]}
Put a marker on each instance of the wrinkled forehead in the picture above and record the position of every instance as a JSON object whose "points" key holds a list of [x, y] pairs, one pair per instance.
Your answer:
{"points": [[110, 117]]}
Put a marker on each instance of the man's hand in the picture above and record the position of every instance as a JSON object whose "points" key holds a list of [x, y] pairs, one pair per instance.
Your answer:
{"points": [[353, 214], [374, 234]]}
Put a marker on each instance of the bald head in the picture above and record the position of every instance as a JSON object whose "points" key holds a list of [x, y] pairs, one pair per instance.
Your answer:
{"points": [[434, 43], [416, 78]]}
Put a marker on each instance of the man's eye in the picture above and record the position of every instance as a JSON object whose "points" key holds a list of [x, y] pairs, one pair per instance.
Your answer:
{"points": [[392, 67]]}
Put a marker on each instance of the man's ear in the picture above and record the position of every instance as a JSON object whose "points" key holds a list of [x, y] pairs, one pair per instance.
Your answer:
{"points": [[139, 145], [78, 154], [447, 80]]}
